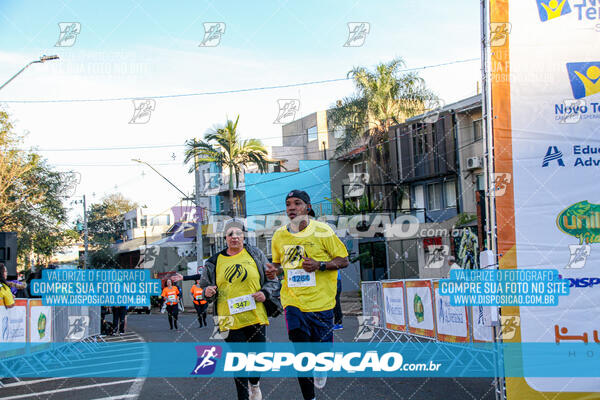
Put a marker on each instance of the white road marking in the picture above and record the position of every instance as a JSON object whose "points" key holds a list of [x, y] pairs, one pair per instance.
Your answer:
{"points": [[51, 392]]}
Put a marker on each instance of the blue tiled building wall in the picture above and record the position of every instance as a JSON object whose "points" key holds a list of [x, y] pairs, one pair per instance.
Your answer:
{"points": [[265, 193]]}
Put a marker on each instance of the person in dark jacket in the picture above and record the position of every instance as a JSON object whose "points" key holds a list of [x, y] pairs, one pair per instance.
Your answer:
{"points": [[236, 279]]}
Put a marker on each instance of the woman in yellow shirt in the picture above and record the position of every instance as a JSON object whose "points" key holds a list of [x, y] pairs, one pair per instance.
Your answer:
{"points": [[5, 294], [170, 294], [236, 277]]}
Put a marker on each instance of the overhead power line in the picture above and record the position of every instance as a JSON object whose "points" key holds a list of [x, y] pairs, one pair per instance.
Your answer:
{"points": [[255, 89]]}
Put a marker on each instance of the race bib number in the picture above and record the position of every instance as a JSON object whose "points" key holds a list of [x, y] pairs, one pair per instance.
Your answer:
{"points": [[172, 298], [241, 304], [199, 297], [301, 278]]}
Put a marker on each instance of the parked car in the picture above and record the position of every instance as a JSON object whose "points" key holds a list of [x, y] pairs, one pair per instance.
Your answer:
{"points": [[140, 309]]}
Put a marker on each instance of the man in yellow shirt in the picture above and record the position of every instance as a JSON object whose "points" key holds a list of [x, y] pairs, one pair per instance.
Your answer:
{"points": [[308, 254]]}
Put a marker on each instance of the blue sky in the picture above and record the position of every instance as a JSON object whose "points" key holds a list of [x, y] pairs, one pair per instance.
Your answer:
{"points": [[145, 49]]}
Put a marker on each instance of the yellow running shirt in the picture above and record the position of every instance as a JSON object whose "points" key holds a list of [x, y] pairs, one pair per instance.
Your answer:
{"points": [[238, 277], [309, 292]]}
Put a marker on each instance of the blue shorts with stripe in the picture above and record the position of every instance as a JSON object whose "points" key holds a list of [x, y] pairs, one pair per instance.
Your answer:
{"points": [[318, 326]]}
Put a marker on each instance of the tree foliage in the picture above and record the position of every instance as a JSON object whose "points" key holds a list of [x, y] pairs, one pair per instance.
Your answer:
{"points": [[224, 147], [383, 98], [105, 219], [31, 197]]}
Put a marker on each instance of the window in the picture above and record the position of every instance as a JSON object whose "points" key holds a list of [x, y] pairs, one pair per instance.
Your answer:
{"points": [[360, 168], [144, 221], [339, 132], [268, 246], [480, 182], [477, 130], [419, 142], [312, 133], [434, 196], [450, 194], [160, 220]]}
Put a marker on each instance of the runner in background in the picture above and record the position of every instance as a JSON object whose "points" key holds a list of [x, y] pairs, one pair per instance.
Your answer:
{"points": [[170, 294], [308, 254], [338, 315], [200, 303]]}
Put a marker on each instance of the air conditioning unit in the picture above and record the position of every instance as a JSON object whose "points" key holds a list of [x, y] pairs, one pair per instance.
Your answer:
{"points": [[473, 162]]}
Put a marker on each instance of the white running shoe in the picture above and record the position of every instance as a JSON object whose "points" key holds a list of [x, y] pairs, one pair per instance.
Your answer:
{"points": [[320, 381], [254, 391]]}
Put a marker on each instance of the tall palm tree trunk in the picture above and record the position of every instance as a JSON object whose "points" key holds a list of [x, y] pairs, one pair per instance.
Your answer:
{"points": [[231, 211]]}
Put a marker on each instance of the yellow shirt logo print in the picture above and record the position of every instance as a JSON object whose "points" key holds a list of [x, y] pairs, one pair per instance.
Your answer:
{"points": [[235, 271], [292, 257]]}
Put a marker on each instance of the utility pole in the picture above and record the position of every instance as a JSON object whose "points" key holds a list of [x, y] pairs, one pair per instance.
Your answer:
{"points": [[85, 236], [199, 246]]}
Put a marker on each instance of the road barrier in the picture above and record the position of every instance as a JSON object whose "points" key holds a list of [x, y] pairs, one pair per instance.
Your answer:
{"points": [[413, 311], [31, 334]]}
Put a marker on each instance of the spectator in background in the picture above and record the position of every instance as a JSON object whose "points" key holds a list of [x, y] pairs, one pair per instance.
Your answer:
{"points": [[119, 314], [337, 310], [5, 294], [452, 264]]}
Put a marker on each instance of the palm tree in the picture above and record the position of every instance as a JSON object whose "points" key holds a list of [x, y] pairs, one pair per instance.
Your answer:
{"points": [[383, 98], [223, 146]]}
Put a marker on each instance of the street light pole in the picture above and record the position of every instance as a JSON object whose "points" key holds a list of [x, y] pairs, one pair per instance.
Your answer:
{"points": [[41, 60], [85, 236], [199, 248]]}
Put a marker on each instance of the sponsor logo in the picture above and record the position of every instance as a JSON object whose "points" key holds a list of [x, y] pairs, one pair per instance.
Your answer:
{"points": [[499, 32], [553, 154], [581, 220], [5, 329], [500, 182], [207, 359], [551, 9], [585, 78], [446, 314], [584, 156], [418, 308], [42, 325], [213, 31], [582, 282]]}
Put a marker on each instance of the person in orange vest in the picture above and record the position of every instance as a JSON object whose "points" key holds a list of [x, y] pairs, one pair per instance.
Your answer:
{"points": [[170, 294], [200, 303]]}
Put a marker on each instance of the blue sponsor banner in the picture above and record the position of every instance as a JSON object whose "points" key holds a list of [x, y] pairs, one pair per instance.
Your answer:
{"points": [[95, 287], [381, 360]]}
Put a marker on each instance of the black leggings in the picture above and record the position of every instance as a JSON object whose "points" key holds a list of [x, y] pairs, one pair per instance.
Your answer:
{"points": [[307, 384], [201, 311], [173, 312], [252, 333]]}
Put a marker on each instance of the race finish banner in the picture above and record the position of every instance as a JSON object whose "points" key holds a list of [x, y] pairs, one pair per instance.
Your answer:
{"points": [[545, 96]]}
